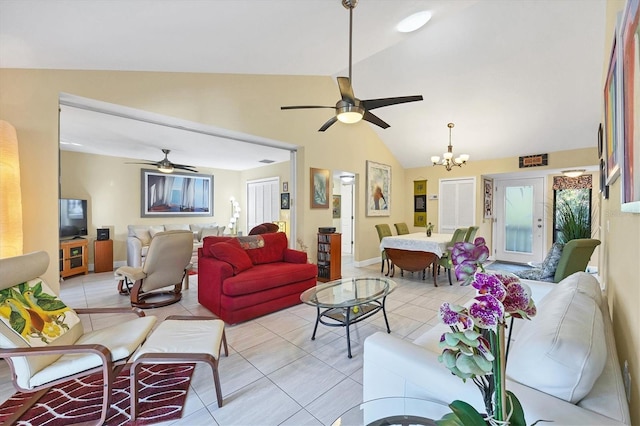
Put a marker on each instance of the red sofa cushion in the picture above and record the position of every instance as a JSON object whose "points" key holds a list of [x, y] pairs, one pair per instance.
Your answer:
{"points": [[209, 241], [267, 276], [273, 250], [232, 254]]}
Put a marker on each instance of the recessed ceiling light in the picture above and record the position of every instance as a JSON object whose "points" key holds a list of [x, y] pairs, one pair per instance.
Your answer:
{"points": [[414, 22]]}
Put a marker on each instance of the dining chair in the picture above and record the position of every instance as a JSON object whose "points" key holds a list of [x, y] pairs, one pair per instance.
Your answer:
{"points": [[445, 261], [401, 228], [471, 233], [384, 230]]}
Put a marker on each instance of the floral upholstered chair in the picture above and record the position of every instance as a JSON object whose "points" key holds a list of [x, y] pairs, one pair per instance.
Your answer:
{"points": [[44, 341], [562, 261]]}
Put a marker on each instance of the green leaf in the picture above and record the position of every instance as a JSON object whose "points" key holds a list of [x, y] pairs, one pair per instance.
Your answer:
{"points": [[18, 323], [468, 415], [468, 365], [37, 289], [449, 419], [517, 416]]}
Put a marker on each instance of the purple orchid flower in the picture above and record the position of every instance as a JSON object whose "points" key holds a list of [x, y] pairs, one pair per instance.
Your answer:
{"points": [[486, 311], [453, 315], [487, 283]]}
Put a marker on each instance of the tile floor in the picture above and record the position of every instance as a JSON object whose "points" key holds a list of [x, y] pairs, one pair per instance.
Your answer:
{"points": [[275, 374]]}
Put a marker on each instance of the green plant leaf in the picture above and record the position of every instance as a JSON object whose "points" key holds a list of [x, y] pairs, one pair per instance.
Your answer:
{"points": [[468, 415], [517, 416], [449, 419]]}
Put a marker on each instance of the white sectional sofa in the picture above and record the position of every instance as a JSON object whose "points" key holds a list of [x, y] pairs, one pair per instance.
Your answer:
{"points": [[562, 364], [139, 238]]}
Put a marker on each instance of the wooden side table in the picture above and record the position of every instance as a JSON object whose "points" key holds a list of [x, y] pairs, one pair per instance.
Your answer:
{"points": [[103, 256]]}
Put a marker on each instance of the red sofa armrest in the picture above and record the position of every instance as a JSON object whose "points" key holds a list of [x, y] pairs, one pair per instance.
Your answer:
{"points": [[294, 256]]}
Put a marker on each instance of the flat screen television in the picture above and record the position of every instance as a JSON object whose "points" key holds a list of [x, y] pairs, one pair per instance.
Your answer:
{"points": [[73, 217]]}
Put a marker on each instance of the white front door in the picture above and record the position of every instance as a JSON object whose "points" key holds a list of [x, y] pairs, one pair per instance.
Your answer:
{"points": [[520, 220]]}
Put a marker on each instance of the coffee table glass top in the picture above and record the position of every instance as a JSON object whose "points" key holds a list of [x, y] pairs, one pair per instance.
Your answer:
{"points": [[347, 292]]}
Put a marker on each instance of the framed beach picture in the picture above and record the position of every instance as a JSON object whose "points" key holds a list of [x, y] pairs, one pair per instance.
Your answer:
{"points": [[630, 158], [319, 188], [176, 194], [378, 189]]}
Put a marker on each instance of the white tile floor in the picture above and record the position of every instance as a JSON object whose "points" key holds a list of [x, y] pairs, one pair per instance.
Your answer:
{"points": [[275, 374]]}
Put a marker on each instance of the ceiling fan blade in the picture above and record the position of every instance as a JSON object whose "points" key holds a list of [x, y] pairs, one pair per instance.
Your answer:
{"points": [[328, 124], [346, 91], [151, 163], [307, 107], [185, 168], [370, 104], [374, 120]]}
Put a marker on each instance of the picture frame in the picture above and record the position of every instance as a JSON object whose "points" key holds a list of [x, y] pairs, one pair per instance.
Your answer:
{"points": [[629, 158], [319, 188], [336, 206], [285, 201], [175, 194], [378, 189], [611, 115], [487, 185], [285, 186]]}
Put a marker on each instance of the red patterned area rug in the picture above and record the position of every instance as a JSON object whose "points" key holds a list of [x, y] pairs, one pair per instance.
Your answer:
{"points": [[162, 392]]}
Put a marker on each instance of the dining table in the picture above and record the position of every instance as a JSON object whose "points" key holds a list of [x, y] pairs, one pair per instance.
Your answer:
{"points": [[415, 252]]}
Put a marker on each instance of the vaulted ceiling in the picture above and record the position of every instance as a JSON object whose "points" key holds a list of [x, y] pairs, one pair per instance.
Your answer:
{"points": [[516, 77]]}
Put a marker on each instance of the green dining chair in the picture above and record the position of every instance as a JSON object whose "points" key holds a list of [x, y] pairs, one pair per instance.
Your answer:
{"points": [[401, 228], [384, 230], [445, 261], [471, 234]]}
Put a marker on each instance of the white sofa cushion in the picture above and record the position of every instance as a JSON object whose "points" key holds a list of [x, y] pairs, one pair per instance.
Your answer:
{"points": [[177, 227], [562, 351], [584, 283]]}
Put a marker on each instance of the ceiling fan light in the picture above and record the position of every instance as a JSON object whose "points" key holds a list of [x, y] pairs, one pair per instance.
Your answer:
{"points": [[165, 168], [573, 173], [350, 114], [347, 178], [413, 22]]}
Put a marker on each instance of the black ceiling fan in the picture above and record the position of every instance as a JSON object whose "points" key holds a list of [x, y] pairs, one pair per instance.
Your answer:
{"points": [[350, 109], [167, 166]]}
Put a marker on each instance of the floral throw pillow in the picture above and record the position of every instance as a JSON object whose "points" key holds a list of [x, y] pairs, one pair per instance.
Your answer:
{"points": [[35, 313], [550, 263]]}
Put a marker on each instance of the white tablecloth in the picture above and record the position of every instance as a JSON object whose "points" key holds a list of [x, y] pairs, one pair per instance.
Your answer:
{"points": [[418, 241]]}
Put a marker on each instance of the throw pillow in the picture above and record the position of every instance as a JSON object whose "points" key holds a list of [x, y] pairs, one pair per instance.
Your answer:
{"points": [[206, 232], [143, 235], [34, 312], [562, 351], [153, 230], [550, 263], [233, 255]]}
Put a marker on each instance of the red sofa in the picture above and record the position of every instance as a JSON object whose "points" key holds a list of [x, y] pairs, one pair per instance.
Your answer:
{"points": [[240, 278]]}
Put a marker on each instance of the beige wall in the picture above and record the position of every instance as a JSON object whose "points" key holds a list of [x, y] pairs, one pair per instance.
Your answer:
{"points": [[620, 235]]}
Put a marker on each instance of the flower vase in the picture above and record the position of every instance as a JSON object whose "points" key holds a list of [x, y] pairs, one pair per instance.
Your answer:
{"points": [[428, 232]]}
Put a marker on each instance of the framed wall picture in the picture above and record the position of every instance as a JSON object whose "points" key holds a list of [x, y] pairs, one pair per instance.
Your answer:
{"points": [[611, 115], [630, 158], [378, 189], [336, 206], [285, 201], [319, 182], [176, 194], [487, 185], [420, 202]]}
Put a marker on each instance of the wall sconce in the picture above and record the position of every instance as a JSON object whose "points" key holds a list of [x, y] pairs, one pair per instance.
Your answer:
{"points": [[11, 242]]}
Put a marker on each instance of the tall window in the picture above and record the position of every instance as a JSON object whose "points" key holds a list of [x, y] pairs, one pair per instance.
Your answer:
{"points": [[571, 208]]}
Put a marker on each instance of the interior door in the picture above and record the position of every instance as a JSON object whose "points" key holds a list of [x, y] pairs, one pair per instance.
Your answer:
{"points": [[519, 220], [347, 216]]}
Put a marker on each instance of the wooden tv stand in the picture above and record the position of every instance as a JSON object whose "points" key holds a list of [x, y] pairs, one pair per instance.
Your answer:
{"points": [[74, 257]]}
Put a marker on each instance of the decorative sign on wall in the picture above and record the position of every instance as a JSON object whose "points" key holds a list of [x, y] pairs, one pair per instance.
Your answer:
{"points": [[419, 203], [534, 160]]}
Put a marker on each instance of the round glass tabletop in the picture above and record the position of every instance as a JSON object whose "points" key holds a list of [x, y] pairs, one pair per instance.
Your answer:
{"points": [[394, 411], [347, 292]]}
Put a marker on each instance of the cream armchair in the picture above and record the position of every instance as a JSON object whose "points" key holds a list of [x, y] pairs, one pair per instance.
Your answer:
{"points": [[44, 341], [164, 266]]}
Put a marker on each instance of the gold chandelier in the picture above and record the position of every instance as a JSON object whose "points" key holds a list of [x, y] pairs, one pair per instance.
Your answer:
{"points": [[447, 158]]}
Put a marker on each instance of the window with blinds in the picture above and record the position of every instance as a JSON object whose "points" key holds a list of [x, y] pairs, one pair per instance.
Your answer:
{"points": [[457, 205]]}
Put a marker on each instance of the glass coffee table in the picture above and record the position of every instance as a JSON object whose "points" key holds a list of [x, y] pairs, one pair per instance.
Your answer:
{"points": [[398, 411], [347, 301]]}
